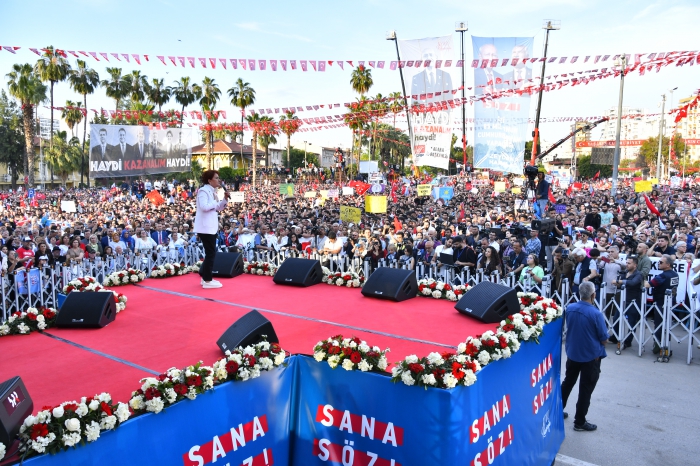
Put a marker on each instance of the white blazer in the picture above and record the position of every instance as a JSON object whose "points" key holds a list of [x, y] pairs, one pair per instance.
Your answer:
{"points": [[206, 219]]}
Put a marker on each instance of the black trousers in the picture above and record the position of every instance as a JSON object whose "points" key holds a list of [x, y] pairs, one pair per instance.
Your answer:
{"points": [[209, 243], [590, 372]]}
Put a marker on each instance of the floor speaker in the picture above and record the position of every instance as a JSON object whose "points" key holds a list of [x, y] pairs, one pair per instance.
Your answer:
{"points": [[15, 406], [393, 284], [489, 302], [87, 309], [299, 272], [227, 265], [247, 330]]}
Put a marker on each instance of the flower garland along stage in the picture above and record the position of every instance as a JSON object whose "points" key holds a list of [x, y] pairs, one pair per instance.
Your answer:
{"points": [[169, 270], [430, 288], [260, 268], [124, 277], [75, 423], [448, 370], [351, 354], [348, 279], [70, 424], [86, 284], [34, 319]]}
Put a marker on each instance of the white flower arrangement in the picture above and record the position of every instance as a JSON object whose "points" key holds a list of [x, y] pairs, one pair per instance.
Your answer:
{"points": [[260, 268], [169, 270], [346, 279], [75, 422], [124, 277], [429, 287], [351, 354], [249, 362]]}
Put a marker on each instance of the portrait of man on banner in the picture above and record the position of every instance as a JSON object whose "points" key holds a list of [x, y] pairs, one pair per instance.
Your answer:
{"points": [[500, 124]]}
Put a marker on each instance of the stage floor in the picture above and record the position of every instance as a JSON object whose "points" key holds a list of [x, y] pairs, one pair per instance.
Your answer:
{"points": [[174, 323]]}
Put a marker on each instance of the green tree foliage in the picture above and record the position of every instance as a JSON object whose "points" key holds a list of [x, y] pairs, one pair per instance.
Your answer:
{"points": [[296, 158], [587, 170], [63, 156], [649, 150], [11, 137]]}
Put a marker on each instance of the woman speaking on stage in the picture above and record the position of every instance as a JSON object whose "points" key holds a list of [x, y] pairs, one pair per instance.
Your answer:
{"points": [[206, 223]]}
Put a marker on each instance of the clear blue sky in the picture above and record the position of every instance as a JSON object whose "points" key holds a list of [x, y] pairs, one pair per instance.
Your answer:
{"points": [[353, 31]]}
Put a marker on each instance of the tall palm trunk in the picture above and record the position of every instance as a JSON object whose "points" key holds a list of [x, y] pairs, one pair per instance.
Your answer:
{"points": [[28, 137], [51, 122], [242, 111], [82, 157], [255, 154], [182, 115], [289, 142]]}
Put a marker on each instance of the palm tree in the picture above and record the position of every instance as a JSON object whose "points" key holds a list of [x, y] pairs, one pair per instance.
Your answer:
{"points": [[64, 157], [185, 94], [378, 110], [361, 81], [210, 96], [72, 115], [137, 85], [289, 124], [266, 137], [117, 86], [26, 86], [158, 93], [253, 120], [84, 81], [242, 96], [52, 67], [397, 104]]}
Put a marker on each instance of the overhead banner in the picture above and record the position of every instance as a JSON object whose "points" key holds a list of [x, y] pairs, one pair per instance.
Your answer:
{"points": [[122, 150], [428, 69], [501, 127]]}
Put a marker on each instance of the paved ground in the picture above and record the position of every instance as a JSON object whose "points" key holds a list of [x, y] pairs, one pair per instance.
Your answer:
{"points": [[647, 413]]}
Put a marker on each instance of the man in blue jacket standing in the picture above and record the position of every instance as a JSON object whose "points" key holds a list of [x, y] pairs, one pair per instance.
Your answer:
{"points": [[586, 335], [206, 223]]}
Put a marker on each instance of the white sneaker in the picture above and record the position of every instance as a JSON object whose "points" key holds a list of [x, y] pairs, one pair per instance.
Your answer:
{"points": [[201, 281], [212, 284], [215, 281]]}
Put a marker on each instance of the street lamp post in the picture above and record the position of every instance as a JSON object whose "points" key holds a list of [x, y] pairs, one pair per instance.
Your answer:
{"points": [[461, 27], [305, 165], [622, 63], [670, 142], [661, 137], [391, 35], [549, 25]]}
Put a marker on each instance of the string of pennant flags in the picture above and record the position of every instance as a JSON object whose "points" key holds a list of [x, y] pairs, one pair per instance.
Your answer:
{"points": [[253, 64]]}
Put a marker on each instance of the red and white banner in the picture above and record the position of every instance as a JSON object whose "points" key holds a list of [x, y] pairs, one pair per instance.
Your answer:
{"points": [[629, 142], [634, 60]]}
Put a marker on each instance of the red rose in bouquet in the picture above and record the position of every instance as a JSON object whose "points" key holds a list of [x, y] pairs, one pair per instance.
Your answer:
{"points": [[151, 392], [356, 357], [180, 389], [232, 367], [415, 368], [39, 430]]}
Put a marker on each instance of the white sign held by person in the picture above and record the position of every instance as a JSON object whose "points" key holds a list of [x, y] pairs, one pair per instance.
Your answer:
{"points": [[684, 271], [348, 191], [429, 71], [236, 196], [68, 206]]}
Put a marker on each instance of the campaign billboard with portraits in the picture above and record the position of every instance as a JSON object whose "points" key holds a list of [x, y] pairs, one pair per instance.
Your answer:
{"points": [[117, 150]]}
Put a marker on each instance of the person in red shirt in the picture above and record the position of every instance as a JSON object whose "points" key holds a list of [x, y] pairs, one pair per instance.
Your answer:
{"points": [[25, 252]]}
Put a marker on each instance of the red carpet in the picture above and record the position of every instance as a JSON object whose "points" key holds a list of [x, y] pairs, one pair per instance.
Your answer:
{"points": [[160, 329]]}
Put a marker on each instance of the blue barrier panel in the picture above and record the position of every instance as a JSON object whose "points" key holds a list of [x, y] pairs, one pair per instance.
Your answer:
{"points": [[512, 415], [238, 423]]}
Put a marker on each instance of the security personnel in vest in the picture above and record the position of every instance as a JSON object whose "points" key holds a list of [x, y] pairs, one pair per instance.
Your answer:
{"points": [[666, 280]]}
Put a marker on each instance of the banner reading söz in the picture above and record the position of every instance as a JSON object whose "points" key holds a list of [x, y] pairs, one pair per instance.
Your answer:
{"points": [[117, 150]]}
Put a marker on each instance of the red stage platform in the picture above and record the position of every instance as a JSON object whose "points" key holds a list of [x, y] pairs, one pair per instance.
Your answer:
{"points": [[174, 322]]}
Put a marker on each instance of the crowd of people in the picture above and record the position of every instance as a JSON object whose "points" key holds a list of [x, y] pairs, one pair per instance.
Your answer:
{"points": [[478, 229]]}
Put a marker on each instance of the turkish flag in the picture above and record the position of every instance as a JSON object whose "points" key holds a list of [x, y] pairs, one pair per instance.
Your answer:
{"points": [[569, 191], [397, 224], [651, 206], [595, 177], [552, 199]]}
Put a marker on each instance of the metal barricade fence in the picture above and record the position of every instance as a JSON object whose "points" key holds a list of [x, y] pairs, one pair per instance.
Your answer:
{"points": [[679, 322], [29, 288]]}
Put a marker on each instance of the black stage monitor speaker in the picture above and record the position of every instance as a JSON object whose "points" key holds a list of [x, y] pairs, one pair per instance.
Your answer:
{"points": [[15, 406], [87, 310], [227, 264], [299, 272], [247, 330], [489, 302], [393, 284]]}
